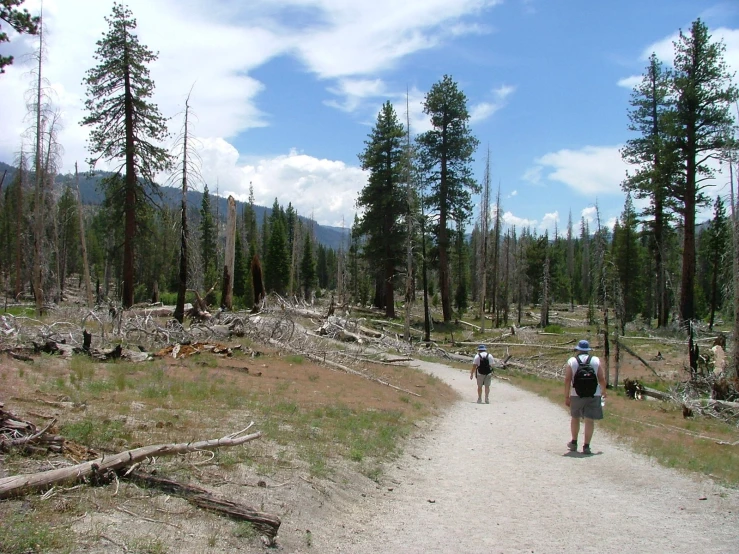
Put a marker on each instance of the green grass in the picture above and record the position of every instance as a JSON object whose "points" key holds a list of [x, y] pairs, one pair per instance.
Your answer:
{"points": [[147, 545], [96, 433], [245, 530], [22, 533]]}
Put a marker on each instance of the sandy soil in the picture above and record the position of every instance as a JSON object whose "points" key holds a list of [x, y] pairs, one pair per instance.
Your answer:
{"points": [[498, 478]]}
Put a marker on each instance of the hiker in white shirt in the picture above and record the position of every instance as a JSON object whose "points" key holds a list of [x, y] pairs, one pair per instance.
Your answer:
{"points": [[585, 387], [482, 366]]}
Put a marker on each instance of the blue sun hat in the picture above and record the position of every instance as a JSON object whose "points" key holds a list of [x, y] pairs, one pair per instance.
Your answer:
{"points": [[481, 348], [583, 346]]}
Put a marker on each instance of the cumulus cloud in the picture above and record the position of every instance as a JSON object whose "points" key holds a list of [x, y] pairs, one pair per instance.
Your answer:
{"points": [[589, 171], [323, 189], [517, 222], [549, 222]]}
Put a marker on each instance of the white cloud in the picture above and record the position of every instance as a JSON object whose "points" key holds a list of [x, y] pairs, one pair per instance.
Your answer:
{"points": [[513, 193], [374, 35], [217, 47], [630, 82], [483, 110], [590, 171], [518, 222], [549, 222], [355, 91], [323, 189], [589, 214]]}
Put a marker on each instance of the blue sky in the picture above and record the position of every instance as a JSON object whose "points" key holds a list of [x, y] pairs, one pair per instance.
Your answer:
{"points": [[286, 91]]}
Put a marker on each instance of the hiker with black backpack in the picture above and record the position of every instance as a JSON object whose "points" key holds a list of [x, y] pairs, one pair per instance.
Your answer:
{"points": [[585, 388], [482, 366]]}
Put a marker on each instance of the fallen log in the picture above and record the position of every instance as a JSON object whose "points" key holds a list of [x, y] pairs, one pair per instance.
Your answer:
{"points": [[18, 485], [642, 360], [477, 327], [659, 395], [267, 524]]}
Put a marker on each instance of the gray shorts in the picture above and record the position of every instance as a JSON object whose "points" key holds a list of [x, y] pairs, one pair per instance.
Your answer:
{"points": [[484, 379], [589, 408]]}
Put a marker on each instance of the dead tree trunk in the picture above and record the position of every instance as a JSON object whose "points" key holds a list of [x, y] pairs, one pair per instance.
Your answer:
{"points": [[83, 240], [267, 524], [18, 485], [733, 368], [227, 293], [257, 280]]}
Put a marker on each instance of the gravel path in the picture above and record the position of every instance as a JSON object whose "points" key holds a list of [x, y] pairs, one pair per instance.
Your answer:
{"points": [[497, 478]]}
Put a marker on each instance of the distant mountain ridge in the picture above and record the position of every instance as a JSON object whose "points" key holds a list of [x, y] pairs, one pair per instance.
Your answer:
{"points": [[332, 237]]}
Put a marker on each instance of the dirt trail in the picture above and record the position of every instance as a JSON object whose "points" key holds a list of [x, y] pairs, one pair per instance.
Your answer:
{"points": [[497, 478]]}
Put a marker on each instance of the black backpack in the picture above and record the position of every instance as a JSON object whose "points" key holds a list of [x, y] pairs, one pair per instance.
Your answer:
{"points": [[585, 381], [484, 367]]}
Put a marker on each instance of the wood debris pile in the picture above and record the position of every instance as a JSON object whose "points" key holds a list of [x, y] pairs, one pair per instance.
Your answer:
{"points": [[16, 433]]}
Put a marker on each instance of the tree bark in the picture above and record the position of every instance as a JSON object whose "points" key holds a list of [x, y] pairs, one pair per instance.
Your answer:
{"points": [[733, 368], [227, 293]]}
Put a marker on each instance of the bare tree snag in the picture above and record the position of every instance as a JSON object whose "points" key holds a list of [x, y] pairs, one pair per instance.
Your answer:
{"points": [[199, 308], [18, 485], [227, 293], [257, 280], [83, 240], [267, 524]]}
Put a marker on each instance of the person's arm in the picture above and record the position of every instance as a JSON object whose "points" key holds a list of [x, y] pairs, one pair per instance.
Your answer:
{"points": [[568, 383], [602, 381], [474, 366]]}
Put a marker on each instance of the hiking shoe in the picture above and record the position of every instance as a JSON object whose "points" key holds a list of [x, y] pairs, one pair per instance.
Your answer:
{"points": [[479, 400], [586, 450], [572, 446], [487, 401]]}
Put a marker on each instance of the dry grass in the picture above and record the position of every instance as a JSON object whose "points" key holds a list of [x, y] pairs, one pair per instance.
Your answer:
{"points": [[313, 420], [659, 430]]}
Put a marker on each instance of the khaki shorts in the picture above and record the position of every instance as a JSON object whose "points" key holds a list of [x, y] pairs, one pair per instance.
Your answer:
{"points": [[588, 408], [484, 379]]}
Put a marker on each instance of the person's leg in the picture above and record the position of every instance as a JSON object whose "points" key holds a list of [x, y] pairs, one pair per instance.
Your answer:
{"points": [[479, 393], [588, 431], [575, 428]]}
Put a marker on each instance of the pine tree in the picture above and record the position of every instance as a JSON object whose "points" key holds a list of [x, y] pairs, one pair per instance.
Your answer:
{"points": [[446, 155], [715, 242], [20, 20], [68, 239], [277, 262], [627, 256], [126, 125], [384, 201], [703, 127], [208, 253], [653, 152]]}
